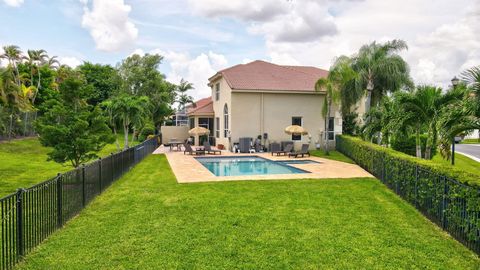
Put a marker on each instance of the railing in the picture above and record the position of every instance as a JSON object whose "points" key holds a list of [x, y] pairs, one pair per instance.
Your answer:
{"points": [[31, 215], [452, 205]]}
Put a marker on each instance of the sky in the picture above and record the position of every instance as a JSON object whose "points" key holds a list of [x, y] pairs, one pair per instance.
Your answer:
{"points": [[199, 37]]}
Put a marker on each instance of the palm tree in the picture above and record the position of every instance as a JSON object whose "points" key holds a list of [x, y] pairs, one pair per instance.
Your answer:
{"points": [[130, 110], [35, 59], [425, 106], [108, 109], [340, 74], [52, 62], [13, 54], [472, 78], [383, 121], [183, 98], [381, 70]]}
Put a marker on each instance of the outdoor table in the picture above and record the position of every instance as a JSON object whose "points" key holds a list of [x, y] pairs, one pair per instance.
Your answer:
{"points": [[178, 145]]}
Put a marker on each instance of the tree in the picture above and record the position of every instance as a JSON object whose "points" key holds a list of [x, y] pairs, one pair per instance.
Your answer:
{"points": [[472, 78], [426, 104], [74, 129], [103, 78], [35, 59], [130, 110], [383, 121], [183, 97], [140, 77], [381, 70], [13, 54], [339, 74]]}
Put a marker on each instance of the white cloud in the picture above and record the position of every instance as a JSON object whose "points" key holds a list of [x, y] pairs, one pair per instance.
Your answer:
{"points": [[290, 21], [109, 24], [70, 61], [195, 69], [13, 3]]}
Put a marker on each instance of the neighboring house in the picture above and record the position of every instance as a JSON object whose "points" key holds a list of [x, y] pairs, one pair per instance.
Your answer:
{"points": [[261, 98], [180, 118]]}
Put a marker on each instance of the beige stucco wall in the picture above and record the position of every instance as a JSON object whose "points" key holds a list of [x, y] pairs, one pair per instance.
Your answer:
{"points": [[178, 132], [225, 98], [256, 113]]}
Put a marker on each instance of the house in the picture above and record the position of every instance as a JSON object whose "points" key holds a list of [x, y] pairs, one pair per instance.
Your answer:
{"points": [[261, 99]]}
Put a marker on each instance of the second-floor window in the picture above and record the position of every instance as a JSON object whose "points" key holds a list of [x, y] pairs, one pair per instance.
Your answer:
{"points": [[217, 91]]}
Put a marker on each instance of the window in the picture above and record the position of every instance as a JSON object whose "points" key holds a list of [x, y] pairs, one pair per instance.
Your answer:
{"points": [[331, 128], [217, 127], [225, 121], [192, 122], [296, 121], [217, 91]]}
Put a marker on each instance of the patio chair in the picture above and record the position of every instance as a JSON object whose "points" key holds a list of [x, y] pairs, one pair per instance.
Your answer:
{"points": [[191, 151], [209, 150], [288, 148], [303, 152]]}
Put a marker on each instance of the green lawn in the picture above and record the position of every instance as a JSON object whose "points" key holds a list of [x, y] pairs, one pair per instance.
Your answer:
{"points": [[24, 163], [148, 221], [470, 141], [461, 162], [334, 155]]}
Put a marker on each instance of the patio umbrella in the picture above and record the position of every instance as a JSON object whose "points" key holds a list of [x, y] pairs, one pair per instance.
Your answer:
{"points": [[198, 131], [295, 130]]}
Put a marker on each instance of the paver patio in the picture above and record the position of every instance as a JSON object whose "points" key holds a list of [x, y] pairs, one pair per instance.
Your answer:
{"points": [[189, 170]]}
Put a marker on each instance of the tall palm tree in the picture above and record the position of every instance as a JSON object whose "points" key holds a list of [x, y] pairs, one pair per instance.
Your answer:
{"points": [[183, 98], [130, 110], [52, 62], [383, 121], [381, 70], [472, 78], [36, 58], [340, 74], [13, 54]]}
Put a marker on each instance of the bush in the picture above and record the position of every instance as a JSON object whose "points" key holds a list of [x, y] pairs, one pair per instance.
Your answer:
{"points": [[448, 196], [408, 145], [148, 129]]}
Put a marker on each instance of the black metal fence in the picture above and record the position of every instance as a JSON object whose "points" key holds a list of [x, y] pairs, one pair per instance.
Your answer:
{"points": [[452, 205], [31, 215]]}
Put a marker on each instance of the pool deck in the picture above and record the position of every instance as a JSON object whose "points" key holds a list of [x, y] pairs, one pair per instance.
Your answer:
{"points": [[189, 170]]}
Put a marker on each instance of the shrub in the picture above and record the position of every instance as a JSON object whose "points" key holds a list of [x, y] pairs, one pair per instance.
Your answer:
{"points": [[448, 196], [148, 129], [408, 145]]}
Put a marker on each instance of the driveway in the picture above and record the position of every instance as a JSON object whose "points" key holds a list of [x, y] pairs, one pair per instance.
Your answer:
{"points": [[470, 150]]}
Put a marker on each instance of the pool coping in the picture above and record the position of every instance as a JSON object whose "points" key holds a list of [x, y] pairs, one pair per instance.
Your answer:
{"points": [[188, 170]]}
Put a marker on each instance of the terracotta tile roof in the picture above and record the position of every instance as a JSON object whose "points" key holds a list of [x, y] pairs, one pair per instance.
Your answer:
{"points": [[203, 106], [261, 75]]}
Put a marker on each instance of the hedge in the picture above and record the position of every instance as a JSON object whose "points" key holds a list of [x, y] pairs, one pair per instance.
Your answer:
{"points": [[447, 196]]}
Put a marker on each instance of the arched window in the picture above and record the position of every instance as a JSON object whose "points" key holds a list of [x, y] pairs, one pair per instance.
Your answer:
{"points": [[225, 121]]}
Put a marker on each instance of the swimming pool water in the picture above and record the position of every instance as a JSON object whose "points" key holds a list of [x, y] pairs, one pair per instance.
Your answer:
{"points": [[246, 165]]}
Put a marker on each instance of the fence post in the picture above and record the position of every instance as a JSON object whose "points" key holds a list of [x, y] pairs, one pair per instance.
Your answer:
{"points": [[444, 203], [19, 230], [416, 186], [112, 168], [59, 200], [100, 173], [83, 186]]}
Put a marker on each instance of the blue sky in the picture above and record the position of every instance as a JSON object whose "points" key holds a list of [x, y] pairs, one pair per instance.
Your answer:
{"points": [[199, 37]]}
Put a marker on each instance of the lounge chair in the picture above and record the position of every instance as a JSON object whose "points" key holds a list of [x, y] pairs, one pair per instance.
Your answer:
{"points": [[209, 150], [287, 150], [303, 152], [188, 149]]}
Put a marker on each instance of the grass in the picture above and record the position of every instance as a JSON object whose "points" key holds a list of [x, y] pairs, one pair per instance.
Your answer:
{"points": [[461, 162], [334, 155], [148, 221], [24, 163], [470, 141]]}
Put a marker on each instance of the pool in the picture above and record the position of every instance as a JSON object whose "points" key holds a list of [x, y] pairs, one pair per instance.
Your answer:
{"points": [[245, 165]]}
